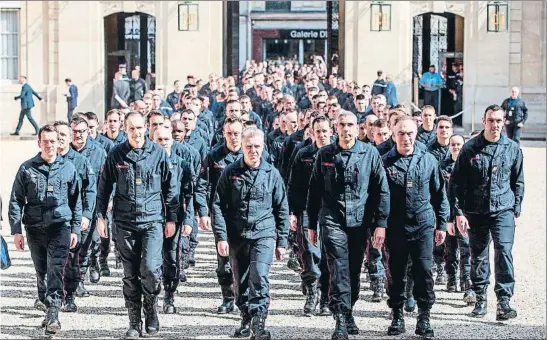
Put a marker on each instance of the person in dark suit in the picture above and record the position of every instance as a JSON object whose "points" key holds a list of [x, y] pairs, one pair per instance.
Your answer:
{"points": [[71, 98], [27, 103]]}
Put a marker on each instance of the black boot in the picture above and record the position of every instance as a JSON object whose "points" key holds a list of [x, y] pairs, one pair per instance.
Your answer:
{"points": [[135, 323], [410, 303], [304, 288], [94, 271], [451, 284], [258, 330], [105, 270], [469, 296], [150, 308], [324, 305], [293, 263], [505, 312], [118, 258], [377, 291], [70, 304], [227, 305], [341, 329], [441, 275], [244, 330], [351, 326], [312, 299], [397, 322], [40, 305], [192, 257], [169, 302], [423, 328], [182, 272], [53, 326], [81, 291], [480, 307]]}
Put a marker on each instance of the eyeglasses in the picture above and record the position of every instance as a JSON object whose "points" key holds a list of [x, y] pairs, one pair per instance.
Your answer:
{"points": [[81, 132]]}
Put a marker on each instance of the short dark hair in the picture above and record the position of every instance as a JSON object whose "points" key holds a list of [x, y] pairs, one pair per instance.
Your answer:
{"points": [[444, 118], [152, 114], [231, 119], [91, 116], [47, 128], [111, 112], [68, 80], [493, 107], [360, 97], [457, 135], [79, 120], [380, 123], [320, 119], [61, 122]]}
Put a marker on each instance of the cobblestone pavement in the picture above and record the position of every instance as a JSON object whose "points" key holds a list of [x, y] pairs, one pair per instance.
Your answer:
{"points": [[103, 314]]}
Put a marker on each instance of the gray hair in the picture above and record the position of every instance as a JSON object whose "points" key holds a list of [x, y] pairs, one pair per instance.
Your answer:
{"points": [[345, 113], [252, 132]]}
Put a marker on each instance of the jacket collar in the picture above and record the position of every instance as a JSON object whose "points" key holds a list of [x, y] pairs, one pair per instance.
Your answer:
{"points": [[263, 165], [132, 155], [356, 148]]}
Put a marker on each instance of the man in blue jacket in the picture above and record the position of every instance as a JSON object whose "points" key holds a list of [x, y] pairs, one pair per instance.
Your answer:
{"points": [[347, 177], [419, 215], [27, 103], [46, 198], [250, 220], [486, 192], [71, 98], [516, 115], [145, 209], [78, 257], [212, 166]]}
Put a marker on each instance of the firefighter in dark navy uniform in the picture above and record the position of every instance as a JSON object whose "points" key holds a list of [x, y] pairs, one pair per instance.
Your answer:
{"points": [[250, 220], [419, 216], [347, 177], [145, 209], [486, 192], [46, 198]]}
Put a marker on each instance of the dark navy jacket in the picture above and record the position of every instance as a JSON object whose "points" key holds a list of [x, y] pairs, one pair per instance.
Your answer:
{"points": [[26, 97], [72, 101], [190, 155], [88, 181], [146, 189], [488, 178], [286, 151], [250, 203], [440, 152], [105, 142], [44, 194], [515, 110], [299, 180], [417, 192], [276, 150], [198, 143], [211, 168], [120, 138], [183, 178], [426, 137], [95, 154], [341, 188], [386, 146]]}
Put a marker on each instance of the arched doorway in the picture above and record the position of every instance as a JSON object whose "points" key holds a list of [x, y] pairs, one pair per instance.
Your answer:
{"points": [[130, 39], [438, 39]]}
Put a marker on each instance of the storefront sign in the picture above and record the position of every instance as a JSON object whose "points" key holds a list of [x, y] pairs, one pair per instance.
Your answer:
{"points": [[303, 34]]}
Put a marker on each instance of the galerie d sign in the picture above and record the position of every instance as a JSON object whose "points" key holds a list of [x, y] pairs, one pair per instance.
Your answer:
{"points": [[303, 34]]}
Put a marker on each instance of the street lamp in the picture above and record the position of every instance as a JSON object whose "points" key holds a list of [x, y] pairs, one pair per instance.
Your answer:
{"points": [[497, 16], [188, 13], [380, 16]]}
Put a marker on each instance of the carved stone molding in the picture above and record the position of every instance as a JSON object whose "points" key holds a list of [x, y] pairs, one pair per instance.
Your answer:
{"points": [[147, 7], [111, 7], [456, 8]]}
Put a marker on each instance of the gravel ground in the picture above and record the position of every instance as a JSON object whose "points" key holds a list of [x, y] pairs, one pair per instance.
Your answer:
{"points": [[103, 314]]}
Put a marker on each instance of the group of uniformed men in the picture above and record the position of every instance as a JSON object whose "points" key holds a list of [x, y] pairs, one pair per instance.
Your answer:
{"points": [[266, 171]]}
